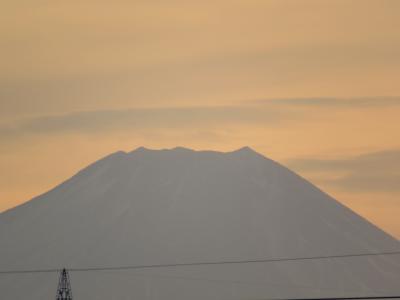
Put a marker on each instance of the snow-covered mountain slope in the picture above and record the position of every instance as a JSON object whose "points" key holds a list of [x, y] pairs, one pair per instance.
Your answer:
{"points": [[184, 206]]}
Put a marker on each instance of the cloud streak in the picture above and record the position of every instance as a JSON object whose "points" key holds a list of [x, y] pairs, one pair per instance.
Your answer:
{"points": [[145, 118], [326, 102], [371, 172], [267, 112]]}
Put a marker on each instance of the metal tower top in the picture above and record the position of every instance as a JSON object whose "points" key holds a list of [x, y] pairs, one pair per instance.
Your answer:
{"points": [[64, 291]]}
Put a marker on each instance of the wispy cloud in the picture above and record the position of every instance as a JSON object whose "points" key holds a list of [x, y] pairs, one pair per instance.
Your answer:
{"points": [[265, 112], [145, 118], [371, 172], [361, 102]]}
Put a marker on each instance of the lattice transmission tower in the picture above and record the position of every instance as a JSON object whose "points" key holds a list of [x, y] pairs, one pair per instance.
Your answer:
{"points": [[64, 291]]}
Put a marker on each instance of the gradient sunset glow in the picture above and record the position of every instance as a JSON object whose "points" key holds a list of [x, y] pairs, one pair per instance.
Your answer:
{"points": [[311, 84]]}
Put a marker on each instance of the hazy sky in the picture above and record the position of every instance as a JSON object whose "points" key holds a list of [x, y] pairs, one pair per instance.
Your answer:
{"points": [[311, 84]]}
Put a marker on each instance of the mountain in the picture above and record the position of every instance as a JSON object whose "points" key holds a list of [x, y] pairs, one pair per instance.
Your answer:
{"points": [[151, 207]]}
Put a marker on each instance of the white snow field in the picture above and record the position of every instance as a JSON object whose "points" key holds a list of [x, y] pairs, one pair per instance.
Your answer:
{"points": [[151, 207]]}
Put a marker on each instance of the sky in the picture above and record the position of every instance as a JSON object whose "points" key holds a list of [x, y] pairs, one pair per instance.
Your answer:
{"points": [[313, 85]]}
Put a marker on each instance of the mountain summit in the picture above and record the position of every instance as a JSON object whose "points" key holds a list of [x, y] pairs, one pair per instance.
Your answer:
{"points": [[149, 207]]}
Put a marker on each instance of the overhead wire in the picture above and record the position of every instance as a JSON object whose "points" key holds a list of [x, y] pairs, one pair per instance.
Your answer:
{"points": [[175, 265]]}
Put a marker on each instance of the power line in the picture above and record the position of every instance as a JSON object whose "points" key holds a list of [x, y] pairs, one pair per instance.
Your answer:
{"points": [[134, 267]]}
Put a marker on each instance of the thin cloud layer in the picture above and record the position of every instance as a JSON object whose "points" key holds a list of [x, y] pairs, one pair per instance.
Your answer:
{"points": [[145, 118], [361, 102], [371, 172], [56, 57], [269, 112]]}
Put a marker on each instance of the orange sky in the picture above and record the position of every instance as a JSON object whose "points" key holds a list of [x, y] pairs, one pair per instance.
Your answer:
{"points": [[311, 84]]}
